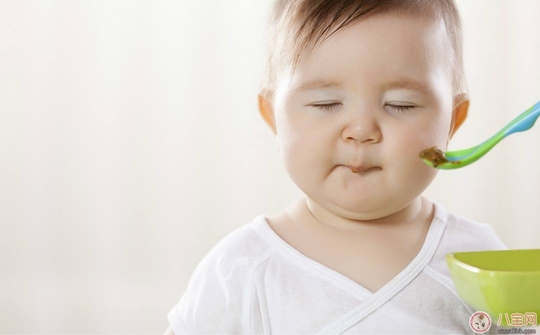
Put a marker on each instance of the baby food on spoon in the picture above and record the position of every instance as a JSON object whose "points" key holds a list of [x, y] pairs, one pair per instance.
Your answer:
{"points": [[434, 155]]}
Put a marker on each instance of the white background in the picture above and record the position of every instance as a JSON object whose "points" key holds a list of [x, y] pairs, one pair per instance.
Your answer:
{"points": [[130, 144]]}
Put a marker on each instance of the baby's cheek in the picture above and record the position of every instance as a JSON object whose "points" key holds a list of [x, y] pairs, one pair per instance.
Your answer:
{"points": [[411, 148], [417, 140], [296, 155], [433, 134]]}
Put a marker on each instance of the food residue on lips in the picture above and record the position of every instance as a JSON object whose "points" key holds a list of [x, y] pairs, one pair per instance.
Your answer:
{"points": [[355, 169], [435, 156]]}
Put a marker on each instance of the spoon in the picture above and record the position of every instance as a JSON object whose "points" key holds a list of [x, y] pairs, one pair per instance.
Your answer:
{"points": [[459, 158]]}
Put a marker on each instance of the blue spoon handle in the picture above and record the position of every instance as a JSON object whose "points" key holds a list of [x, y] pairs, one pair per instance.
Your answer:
{"points": [[523, 122]]}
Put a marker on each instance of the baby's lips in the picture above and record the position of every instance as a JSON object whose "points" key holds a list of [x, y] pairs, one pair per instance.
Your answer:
{"points": [[362, 168]]}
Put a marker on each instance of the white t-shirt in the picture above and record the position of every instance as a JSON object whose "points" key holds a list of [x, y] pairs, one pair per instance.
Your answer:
{"points": [[253, 282]]}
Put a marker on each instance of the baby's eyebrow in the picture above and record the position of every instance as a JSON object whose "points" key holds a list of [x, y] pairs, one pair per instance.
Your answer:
{"points": [[408, 84], [403, 83], [317, 84]]}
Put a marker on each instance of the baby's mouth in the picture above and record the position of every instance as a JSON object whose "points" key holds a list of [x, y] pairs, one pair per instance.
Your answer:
{"points": [[363, 168]]}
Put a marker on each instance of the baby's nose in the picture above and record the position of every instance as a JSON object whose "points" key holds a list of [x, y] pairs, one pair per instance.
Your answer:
{"points": [[362, 130]]}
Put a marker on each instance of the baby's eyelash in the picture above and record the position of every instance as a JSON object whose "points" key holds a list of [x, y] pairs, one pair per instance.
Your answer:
{"points": [[327, 106], [400, 108]]}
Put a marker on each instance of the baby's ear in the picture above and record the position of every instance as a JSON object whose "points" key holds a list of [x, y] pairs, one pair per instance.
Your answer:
{"points": [[460, 112], [267, 112]]}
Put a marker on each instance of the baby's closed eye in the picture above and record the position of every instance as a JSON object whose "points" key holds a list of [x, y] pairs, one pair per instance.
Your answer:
{"points": [[329, 106]]}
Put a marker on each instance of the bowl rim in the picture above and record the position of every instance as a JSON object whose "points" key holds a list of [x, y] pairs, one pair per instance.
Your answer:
{"points": [[471, 268]]}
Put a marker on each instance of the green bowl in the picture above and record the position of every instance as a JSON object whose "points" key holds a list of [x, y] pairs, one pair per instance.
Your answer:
{"points": [[498, 281]]}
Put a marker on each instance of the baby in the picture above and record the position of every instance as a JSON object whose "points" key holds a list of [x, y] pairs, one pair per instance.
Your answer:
{"points": [[354, 91]]}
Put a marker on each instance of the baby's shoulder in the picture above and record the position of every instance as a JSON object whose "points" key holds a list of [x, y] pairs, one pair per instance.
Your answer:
{"points": [[469, 235], [461, 224], [220, 287], [238, 250]]}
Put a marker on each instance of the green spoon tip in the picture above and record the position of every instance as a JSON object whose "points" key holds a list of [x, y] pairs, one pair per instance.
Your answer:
{"points": [[435, 157]]}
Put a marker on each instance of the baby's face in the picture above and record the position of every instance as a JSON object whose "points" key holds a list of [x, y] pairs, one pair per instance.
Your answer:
{"points": [[368, 100]]}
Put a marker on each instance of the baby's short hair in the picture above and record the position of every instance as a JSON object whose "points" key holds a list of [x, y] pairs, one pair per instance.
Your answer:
{"points": [[296, 27]]}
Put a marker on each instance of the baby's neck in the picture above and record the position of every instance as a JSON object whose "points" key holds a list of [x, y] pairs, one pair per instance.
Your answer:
{"points": [[419, 212]]}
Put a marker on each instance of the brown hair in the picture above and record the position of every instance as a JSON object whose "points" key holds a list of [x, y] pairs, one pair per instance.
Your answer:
{"points": [[296, 27]]}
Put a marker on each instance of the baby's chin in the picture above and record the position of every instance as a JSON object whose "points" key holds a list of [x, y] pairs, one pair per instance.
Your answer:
{"points": [[362, 209], [368, 209]]}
